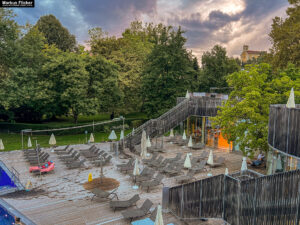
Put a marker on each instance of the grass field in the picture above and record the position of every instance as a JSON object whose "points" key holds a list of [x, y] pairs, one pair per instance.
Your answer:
{"points": [[14, 141]]}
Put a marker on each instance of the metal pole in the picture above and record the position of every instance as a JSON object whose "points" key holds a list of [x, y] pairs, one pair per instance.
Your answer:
{"points": [[22, 139], [124, 134]]}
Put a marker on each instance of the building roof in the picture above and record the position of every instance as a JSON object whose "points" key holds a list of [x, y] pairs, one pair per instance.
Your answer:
{"points": [[254, 52]]}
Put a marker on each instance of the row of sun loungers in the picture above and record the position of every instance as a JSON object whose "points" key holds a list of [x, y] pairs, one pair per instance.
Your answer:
{"points": [[96, 156], [123, 204], [70, 157], [35, 156]]}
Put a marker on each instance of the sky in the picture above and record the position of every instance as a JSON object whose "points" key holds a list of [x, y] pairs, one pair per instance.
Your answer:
{"points": [[230, 23]]}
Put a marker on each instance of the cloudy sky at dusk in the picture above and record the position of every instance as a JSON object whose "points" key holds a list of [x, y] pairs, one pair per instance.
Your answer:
{"points": [[230, 23]]}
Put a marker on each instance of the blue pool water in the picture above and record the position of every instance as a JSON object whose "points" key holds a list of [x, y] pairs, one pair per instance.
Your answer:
{"points": [[5, 217], [5, 181]]}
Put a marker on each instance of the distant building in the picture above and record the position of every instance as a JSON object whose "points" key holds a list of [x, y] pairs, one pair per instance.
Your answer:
{"points": [[250, 54]]}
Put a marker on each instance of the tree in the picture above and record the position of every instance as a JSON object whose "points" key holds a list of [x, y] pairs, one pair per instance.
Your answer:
{"points": [[216, 65], [24, 91], [9, 34], [69, 82], [168, 71], [103, 83], [285, 37], [244, 117], [128, 53], [55, 33]]}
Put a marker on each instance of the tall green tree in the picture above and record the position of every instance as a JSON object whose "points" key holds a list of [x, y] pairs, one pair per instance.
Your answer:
{"points": [[168, 71], [216, 65], [24, 92], [285, 37], [9, 34], [55, 33], [103, 86], [68, 83], [244, 117]]}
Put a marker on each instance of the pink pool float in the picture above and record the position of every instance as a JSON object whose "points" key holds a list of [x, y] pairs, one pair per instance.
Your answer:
{"points": [[47, 167]]}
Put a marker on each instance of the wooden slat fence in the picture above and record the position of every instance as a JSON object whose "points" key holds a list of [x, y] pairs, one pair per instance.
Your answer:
{"points": [[284, 125], [267, 200], [203, 198]]}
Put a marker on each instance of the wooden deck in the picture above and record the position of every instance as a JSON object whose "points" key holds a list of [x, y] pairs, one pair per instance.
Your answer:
{"points": [[66, 202]]}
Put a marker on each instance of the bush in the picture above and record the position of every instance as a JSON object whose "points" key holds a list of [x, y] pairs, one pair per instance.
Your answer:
{"points": [[136, 123]]}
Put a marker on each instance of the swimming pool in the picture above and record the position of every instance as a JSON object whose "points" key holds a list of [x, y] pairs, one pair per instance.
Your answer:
{"points": [[5, 180], [5, 217]]}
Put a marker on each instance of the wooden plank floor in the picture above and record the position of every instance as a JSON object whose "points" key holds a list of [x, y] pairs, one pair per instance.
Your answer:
{"points": [[66, 202]]}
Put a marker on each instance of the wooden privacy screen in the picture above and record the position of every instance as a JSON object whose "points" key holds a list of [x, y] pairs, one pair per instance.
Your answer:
{"points": [[266, 200], [284, 126]]}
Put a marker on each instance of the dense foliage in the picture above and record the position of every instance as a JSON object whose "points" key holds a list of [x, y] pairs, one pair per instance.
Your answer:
{"points": [[244, 117]]}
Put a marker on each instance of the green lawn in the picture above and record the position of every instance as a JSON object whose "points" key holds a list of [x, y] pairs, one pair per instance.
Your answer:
{"points": [[14, 141]]}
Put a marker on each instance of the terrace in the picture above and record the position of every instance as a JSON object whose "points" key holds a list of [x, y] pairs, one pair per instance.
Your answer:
{"points": [[60, 198]]}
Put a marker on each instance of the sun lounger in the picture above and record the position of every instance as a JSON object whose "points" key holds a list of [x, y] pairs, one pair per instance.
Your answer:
{"points": [[124, 204], [130, 162], [157, 161], [62, 157], [157, 164], [204, 155], [139, 212], [176, 158], [176, 170], [154, 156], [219, 162], [153, 183], [76, 164], [69, 160], [199, 167], [187, 177], [61, 150], [145, 172], [198, 146], [103, 162], [127, 168], [69, 151], [98, 193]]}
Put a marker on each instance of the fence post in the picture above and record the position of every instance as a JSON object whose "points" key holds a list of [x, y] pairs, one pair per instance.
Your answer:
{"points": [[239, 203], [224, 194], [254, 202], [181, 206], [298, 197], [200, 197]]}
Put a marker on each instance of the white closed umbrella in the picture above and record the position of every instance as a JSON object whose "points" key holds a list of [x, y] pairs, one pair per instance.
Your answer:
{"points": [[244, 164], [122, 135], [112, 135], [171, 133], [29, 144], [190, 144], [187, 95], [92, 139], [226, 171], [291, 101], [184, 135], [210, 160], [148, 142], [52, 140], [1, 145], [159, 218], [136, 170], [132, 132], [144, 145], [187, 162]]}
